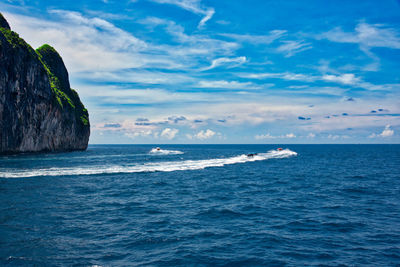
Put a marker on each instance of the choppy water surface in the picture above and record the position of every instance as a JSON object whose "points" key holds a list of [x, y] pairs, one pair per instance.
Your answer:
{"points": [[202, 205]]}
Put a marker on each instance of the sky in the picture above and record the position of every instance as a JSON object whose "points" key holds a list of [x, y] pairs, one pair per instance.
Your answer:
{"points": [[226, 72]]}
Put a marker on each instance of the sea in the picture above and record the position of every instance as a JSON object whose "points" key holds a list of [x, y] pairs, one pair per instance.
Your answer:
{"points": [[202, 205]]}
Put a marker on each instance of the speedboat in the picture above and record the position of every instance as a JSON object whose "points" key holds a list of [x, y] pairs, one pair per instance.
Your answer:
{"points": [[279, 149]]}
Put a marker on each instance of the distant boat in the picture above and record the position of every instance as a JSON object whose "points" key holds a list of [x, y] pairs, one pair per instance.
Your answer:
{"points": [[280, 149]]}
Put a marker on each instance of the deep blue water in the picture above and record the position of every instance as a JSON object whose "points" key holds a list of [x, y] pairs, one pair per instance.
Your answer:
{"points": [[121, 206]]}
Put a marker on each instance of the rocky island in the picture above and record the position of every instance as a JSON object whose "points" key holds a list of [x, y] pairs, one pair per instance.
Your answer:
{"points": [[38, 109]]}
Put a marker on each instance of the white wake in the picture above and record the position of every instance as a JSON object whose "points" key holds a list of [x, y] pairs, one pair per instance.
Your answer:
{"points": [[159, 151], [150, 167]]}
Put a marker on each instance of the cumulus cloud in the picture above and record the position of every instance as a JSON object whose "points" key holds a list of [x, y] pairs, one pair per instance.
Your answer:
{"points": [[227, 62], [202, 135], [387, 132], [169, 133], [333, 137]]}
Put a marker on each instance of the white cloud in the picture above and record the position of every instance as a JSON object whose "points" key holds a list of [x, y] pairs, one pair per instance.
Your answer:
{"points": [[348, 78], [291, 135], [228, 85], [228, 62], [367, 35], [311, 135], [136, 76], [387, 132], [333, 137], [169, 133], [209, 13], [193, 6], [290, 48], [202, 135], [89, 43], [284, 75]]}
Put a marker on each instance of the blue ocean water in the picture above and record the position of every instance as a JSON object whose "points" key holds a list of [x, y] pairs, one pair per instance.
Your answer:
{"points": [[203, 205]]}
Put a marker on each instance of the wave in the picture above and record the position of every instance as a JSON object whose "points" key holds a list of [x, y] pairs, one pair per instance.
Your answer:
{"points": [[158, 151], [150, 167]]}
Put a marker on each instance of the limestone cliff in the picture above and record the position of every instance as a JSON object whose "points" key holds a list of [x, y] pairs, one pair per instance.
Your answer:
{"points": [[38, 109]]}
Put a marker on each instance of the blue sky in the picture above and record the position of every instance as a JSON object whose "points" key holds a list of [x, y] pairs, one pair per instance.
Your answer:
{"points": [[255, 71]]}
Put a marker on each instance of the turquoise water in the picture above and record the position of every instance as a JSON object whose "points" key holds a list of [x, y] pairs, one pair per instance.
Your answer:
{"points": [[117, 205]]}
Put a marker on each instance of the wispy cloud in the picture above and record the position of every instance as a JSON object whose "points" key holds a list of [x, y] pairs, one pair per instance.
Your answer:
{"points": [[256, 39], [227, 62], [228, 85], [285, 76], [290, 48], [349, 79], [190, 46], [367, 35], [193, 6]]}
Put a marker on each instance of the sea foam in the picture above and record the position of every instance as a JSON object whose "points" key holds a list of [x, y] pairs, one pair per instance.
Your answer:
{"points": [[149, 167]]}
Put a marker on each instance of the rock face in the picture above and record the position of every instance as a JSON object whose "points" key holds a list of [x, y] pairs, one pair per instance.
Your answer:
{"points": [[38, 109]]}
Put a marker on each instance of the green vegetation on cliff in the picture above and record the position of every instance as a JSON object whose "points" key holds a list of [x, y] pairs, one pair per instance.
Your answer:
{"points": [[15, 41], [64, 95], [61, 97]]}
